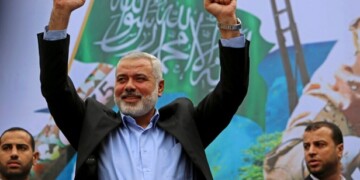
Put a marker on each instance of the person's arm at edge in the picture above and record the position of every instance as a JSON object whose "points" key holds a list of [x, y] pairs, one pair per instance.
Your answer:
{"points": [[53, 71], [59, 19]]}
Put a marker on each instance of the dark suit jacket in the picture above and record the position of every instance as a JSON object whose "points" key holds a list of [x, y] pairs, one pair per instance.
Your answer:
{"points": [[86, 123]]}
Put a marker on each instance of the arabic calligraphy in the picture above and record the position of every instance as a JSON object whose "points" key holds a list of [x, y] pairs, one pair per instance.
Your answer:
{"points": [[184, 38]]}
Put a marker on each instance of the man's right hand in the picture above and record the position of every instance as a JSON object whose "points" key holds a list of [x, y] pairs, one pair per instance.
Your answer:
{"points": [[61, 12], [225, 12]]}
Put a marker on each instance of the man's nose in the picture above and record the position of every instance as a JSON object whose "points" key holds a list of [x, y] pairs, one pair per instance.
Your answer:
{"points": [[14, 153], [312, 150], [130, 87]]}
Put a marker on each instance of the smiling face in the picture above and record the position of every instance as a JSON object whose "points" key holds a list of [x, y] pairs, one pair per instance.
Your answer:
{"points": [[136, 87], [16, 155], [322, 155]]}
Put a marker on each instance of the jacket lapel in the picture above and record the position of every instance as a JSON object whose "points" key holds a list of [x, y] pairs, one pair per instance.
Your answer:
{"points": [[179, 123], [99, 122]]}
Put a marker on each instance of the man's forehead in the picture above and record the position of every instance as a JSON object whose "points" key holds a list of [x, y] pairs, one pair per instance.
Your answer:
{"points": [[135, 68], [15, 137], [321, 134]]}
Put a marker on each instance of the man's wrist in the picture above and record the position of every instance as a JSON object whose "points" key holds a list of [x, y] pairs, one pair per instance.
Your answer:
{"points": [[230, 27], [59, 19]]}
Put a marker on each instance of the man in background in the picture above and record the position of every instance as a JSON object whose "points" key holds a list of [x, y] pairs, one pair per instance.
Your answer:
{"points": [[17, 154], [323, 150], [332, 97]]}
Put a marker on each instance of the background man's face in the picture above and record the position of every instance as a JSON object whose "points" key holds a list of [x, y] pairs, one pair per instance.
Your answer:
{"points": [[16, 155], [322, 156]]}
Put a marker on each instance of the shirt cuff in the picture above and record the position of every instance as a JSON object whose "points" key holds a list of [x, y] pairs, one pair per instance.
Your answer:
{"points": [[54, 35], [236, 42]]}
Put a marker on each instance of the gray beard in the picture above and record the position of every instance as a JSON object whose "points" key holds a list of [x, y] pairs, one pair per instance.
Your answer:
{"points": [[146, 104]]}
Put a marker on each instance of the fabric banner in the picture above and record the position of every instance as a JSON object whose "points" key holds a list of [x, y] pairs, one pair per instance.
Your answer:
{"points": [[305, 67]]}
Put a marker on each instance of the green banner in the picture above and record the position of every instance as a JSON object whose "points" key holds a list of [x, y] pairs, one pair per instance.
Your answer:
{"points": [[182, 34]]}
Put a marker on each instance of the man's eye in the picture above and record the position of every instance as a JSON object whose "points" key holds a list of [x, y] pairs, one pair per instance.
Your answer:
{"points": [[320, 144], [140, 79], [306, 146], [22, 147], [6, 147], [120, 80]]}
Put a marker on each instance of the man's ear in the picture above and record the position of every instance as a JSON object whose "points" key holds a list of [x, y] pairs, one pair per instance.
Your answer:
{"points": [[36, 156], [340, 149], [161, 86]]}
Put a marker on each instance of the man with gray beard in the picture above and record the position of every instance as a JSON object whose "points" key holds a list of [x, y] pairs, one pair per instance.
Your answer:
{"points": [[140, 141]]}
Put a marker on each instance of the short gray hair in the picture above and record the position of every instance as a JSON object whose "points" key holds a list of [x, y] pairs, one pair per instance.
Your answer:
{"points": [[155, 62]]}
